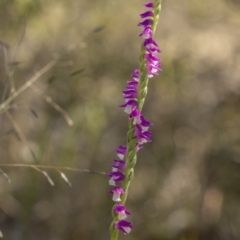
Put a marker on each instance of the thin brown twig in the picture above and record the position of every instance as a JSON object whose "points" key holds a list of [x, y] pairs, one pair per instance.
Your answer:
{"points": [[51, 167], [27, 84], [53, 104], [5, 176], [21, 134], [20, 40], [64, 177], [45, 174], [6, 66]]}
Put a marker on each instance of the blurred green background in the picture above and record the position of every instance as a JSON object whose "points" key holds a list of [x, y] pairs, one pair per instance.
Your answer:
{"points": [[187, 181]]}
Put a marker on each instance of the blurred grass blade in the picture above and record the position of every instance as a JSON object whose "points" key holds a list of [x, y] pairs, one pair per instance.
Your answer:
{"points": [[98, 29], [15, 63], [34, 113], [4, 44], [1, 235], [53, 104], [44, 173], [5, 176], [64, 177], [27, 84], [51, 79], [48, 178], [77, 72], [7, 132]]}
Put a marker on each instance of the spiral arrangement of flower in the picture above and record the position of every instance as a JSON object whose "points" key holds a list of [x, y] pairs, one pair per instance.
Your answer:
{"points": [[138, 133]]}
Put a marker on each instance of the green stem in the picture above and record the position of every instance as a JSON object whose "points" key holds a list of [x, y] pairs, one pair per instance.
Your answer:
{"points": [[131, 155], [157, 10], [115, 234]]}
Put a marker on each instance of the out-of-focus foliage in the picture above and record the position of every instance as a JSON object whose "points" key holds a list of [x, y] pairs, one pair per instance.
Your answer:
{"points": [[187, 181]]}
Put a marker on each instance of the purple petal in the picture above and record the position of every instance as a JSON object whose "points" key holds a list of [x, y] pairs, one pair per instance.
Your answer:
{"points": [[152, 58], [136, 115], [117, 192], [145, 124], [121, 150], [132, 85], [124, 226], [118, 164], [151, 45], [139, 147], [121, 211], [149, 5], [146, 23], [143, 136], [136, 75], [115, 177], [152, 71], [130, 94], [129, 105], [146, 33], [146, 14]]}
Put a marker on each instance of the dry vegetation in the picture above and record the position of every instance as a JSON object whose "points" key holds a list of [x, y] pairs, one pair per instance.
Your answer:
{"points": [[187, 181]]}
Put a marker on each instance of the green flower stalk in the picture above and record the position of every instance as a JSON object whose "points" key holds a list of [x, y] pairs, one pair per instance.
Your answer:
{"points": [[138, 134]]}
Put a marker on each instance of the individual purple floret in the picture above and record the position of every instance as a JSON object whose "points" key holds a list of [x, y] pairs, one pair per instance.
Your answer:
{"points": [[146, 14], [130, 94], [151, 45], [124, 226], [139, 119], [129, 106], [143, 136], [145, 124], [146, 23], [121, 151], [121, 211], [115, 177], [149, 5], [117, 192], [118, 165], [152, 58], [146, 33], [136, 75], [136, 115], [132, 85]]}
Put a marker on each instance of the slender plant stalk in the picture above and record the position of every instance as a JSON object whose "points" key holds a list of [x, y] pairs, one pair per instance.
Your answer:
{"points": [[142, 93], [138, 126], [53, 104], [27, 85], [21, 135], [20, 165]]}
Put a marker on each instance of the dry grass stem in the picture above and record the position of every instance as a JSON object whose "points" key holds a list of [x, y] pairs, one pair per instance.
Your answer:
{"points": [[27, 84], [17, 165], [53, 104], [20, 134], [5, 176]]}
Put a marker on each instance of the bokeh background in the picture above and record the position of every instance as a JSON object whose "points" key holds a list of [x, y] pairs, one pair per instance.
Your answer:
{"points": [[187, 181]]}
